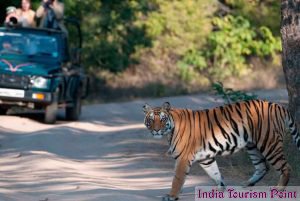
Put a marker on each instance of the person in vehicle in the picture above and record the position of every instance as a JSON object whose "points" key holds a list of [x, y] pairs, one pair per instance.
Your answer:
{"points": [[11, 16], [23, 16], [7, 47], [51, 13], [26, 14]]}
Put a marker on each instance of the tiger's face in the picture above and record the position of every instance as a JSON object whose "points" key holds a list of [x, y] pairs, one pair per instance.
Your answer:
{"points": [[158, 120]]}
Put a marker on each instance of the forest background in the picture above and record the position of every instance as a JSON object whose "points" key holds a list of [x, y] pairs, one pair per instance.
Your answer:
{"points": [[154, 48]]}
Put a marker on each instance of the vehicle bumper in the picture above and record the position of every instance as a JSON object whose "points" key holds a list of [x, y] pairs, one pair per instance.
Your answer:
{"points": [[27, 98]]}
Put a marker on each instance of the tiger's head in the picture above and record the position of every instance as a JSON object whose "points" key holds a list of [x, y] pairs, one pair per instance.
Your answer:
{"points": [[158, 120]]}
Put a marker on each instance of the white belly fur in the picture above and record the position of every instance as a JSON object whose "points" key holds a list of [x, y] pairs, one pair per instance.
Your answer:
{"points": [[202, 154]]}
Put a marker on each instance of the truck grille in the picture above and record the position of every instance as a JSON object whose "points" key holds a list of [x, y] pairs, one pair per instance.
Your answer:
{"points": [[14, 81]]}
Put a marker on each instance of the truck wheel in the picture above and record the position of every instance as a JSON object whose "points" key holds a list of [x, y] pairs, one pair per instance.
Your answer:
{"points": [[73, 112], [50, 113], [3, 111], [51, 110]]}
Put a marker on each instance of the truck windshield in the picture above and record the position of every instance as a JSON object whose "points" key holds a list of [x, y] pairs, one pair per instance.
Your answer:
{"points": [[28, 45]]}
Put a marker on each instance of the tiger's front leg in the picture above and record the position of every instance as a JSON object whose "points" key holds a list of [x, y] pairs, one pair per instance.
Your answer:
{"points": [[211, 168], [182, 169]]}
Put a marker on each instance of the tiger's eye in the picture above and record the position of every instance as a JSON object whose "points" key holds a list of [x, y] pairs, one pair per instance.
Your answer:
{"points": [[148, 123], [163, 118]]}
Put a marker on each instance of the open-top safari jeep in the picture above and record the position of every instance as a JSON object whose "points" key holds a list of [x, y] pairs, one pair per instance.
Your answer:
{"points": [[40, 69]]}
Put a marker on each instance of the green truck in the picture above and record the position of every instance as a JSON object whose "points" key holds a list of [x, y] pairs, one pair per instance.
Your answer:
{"points": [[39, 70]]}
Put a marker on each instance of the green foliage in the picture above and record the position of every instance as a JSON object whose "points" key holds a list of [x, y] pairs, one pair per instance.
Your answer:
{"points": [[115, 35], [118, 33], [229, 46], [183, 36], [230, 95], [268, 43], [194, 58], [258, 12], [177, 26]]}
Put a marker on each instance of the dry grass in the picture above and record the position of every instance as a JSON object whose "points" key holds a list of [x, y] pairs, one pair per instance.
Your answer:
{"points": [[153, 78], [264, 75]]}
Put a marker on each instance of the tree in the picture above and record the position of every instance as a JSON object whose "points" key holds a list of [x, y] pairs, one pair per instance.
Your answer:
{"points": [[290, 36]]}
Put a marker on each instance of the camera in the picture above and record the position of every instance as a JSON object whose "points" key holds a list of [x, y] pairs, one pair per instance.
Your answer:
{"points": [[11, 17], [12, 21], [48, 2]]}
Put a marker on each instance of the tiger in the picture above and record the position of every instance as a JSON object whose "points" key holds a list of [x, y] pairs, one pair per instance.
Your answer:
{"points": [[200, 135]]}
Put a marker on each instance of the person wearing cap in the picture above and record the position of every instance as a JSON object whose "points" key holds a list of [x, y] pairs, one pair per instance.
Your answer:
{"points": [[10, 10], [11, 16], [23, 16]]}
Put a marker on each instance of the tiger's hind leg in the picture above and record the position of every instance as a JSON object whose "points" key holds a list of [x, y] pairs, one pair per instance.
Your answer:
{"points": [[278, 161], [274, 155], [284, 177], [211, 168], [259, 163]]}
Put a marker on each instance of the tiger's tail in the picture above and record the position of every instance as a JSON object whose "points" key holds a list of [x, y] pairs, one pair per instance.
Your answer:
{"points": [[292, 127]]}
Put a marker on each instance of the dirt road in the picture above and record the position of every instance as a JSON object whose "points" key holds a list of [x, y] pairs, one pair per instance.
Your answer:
{"points": [[106, 156]]}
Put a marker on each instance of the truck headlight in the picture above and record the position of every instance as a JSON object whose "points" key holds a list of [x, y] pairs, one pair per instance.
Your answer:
{"points": [[39, 82]]}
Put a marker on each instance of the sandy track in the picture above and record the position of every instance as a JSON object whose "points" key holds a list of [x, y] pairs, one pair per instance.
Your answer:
{"points": [[106, 156]]}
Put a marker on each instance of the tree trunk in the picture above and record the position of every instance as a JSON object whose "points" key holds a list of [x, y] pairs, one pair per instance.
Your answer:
{"points": [[290, 36]]}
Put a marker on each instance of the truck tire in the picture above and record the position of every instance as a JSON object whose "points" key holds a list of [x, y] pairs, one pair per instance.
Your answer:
{"points": [[51, 109], [3, 111], [73, 112], [50, 113]]}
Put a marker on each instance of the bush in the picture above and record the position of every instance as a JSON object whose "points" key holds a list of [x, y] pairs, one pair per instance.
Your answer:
{"points": [[176, 26], [229, 46], [230, 95], [258, 12]]}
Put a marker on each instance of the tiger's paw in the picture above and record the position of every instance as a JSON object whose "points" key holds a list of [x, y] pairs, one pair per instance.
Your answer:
{"points": [[247, 184], [169, 198], [221, 187], [280, 188]]}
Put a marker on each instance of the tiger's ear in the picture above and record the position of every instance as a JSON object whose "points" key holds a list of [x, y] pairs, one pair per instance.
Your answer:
{"points": [[146, 108], [166, 106]]}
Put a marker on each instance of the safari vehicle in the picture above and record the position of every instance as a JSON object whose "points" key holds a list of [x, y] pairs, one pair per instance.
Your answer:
{"points": [[37, 72]]}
